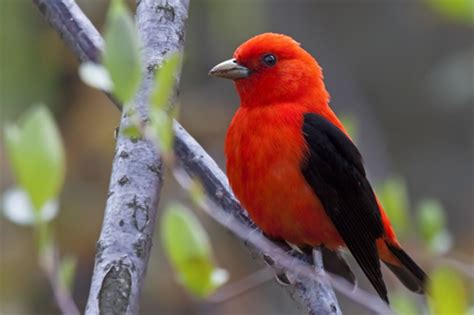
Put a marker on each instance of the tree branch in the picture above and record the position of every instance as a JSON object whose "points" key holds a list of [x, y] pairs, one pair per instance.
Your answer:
{"points": [[308, 286], [124, 245]]}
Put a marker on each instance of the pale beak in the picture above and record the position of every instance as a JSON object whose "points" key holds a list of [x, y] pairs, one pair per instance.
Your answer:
{"points": [[230, 69]]}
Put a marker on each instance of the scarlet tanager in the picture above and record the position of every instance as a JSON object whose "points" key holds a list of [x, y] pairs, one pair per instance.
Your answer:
{"points": [[295, 169]]}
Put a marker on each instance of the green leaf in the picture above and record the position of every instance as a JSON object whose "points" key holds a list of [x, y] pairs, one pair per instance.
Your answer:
{"points": [[459, 10], [132, 131], [161, 128], [189, 251], [161, 122], [35, 150], [122, 52], [432, 222], [404, 305], [394, 198], [17, 208], [448, 295], [431, 218], [95, 76], [67, 270], [165, 81]]}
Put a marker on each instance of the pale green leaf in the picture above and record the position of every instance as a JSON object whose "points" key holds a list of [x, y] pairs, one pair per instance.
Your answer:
{"points": [[431, 218], [96, 76], [189, 251], [404, 305], [161, 128], [122, 52], [161, 120], [165, 81], [17, 208], [132, 132], [394, 198], [432, 222], [447, 292], [441, 243], [36, 153], [183, 235]]}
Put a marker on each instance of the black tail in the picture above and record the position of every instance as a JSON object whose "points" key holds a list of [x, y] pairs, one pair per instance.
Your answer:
{"points": [[409, 273], [335, 263]]}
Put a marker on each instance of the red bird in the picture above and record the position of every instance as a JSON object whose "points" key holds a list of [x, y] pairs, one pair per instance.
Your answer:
{"points": [[295, 169]]}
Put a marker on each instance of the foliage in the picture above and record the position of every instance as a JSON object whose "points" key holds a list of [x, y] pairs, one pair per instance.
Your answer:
{"points": [[165, 81], [447, 297], [446, 286], [404, 305], [122, 53], [188, 248], [36, 153], [394, 198], [17, 208], [447, 291], [96, 76], [431, 219], [161, 122], [431, 223]]}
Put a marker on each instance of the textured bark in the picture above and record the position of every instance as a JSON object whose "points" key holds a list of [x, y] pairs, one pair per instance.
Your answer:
{"points": [[125, 241], [124, 245]]}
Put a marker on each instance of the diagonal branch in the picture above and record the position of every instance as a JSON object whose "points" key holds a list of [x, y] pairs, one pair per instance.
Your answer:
{"points": [[312, 291]]}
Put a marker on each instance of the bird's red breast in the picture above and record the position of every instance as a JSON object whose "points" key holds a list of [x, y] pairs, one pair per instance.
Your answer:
{"points": [[264, 149]]}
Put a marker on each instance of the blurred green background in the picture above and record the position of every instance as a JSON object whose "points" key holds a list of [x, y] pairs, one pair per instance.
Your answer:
{"points": [[400, 71]]}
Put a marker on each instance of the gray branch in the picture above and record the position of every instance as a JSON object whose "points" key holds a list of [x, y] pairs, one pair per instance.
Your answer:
{"points": [[124, 245], [125, 241]]}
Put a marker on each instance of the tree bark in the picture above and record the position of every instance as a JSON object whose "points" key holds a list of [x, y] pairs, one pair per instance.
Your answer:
{"points": [[125, 241]]}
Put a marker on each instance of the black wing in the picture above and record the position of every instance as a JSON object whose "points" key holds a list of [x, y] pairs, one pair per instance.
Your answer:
{"points": [[334, 169]]}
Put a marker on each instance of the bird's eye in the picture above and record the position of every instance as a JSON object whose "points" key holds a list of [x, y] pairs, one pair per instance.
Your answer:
{"points": [[269, 60]]}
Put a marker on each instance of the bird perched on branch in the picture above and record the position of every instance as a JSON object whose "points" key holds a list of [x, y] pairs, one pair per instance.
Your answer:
{"points": [[293, 166]]}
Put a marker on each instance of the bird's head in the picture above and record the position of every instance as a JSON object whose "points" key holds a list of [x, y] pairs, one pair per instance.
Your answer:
{"points": [[273, 68]]}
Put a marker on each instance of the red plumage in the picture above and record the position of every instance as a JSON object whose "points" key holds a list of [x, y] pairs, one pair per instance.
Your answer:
{"points": [[282, 92]]}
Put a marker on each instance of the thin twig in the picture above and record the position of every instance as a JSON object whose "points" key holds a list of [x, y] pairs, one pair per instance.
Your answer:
{"points": [[49, 263], [241, 286]]}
